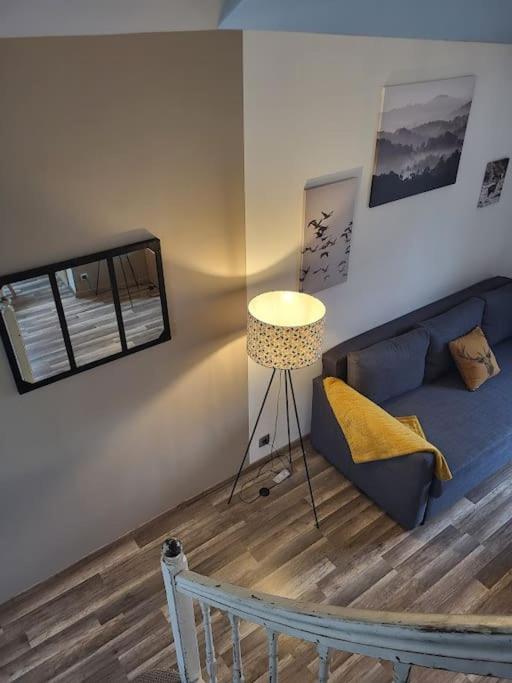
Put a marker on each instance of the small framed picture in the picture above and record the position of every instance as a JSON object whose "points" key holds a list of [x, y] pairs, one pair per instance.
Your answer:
{"points": [[492, 184]]}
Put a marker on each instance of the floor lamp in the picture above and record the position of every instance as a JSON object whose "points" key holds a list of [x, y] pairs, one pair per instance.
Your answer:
{"points": [[284, 332]]}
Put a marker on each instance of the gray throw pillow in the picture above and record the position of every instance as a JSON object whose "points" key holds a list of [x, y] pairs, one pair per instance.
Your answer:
{"points": [[446, 327], [497, 321], [389, 368]]}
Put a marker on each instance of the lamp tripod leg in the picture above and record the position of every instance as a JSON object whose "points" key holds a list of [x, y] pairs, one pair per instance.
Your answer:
{"points": [[302, 448], [288, 419], [251, 437]]}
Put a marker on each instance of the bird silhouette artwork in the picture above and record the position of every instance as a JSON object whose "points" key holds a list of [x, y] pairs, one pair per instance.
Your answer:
{"points": [[318, 224], [303, 273], [347, 233], [327, 234]]}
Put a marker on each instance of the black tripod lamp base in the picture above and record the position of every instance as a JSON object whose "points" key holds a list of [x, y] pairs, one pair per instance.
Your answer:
{"points": [[265, 491]]}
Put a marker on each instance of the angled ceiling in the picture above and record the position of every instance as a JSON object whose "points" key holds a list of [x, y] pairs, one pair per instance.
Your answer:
{"points": [[466, 20]]}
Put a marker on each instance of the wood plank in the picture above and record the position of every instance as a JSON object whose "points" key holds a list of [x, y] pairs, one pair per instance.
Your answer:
{"points": [[105, 618], [497, 568]]}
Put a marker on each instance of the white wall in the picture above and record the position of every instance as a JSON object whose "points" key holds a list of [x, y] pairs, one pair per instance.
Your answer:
{"points": [[100, 136], [311, 108]]}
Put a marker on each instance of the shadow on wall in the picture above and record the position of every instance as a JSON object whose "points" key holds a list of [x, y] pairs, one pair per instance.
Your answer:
{"points": [[93, 443]]}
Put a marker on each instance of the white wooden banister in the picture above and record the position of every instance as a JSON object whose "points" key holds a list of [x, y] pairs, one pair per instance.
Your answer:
{"points": [[238, 675], [272, 657], [469, 644], [401, 672], [323, 663], [211, 663], [181, 613]]}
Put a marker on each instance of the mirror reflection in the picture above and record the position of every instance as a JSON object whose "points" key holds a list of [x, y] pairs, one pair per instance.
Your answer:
{"points": [[32, 324], [141, 308], [88, 303], [66, 317]]}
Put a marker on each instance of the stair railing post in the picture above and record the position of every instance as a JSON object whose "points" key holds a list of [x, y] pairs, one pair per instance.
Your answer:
{"points": [[401, 672], [181, 613]]}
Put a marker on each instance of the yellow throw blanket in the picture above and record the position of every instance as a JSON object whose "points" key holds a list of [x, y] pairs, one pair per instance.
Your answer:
{"points": [[374, 434]]}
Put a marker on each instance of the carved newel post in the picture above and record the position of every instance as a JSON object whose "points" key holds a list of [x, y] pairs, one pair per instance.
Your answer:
{"points": [[181, 613]]}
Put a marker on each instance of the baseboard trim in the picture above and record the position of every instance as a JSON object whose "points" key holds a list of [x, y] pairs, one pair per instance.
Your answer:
{"points": [[216, 487]]}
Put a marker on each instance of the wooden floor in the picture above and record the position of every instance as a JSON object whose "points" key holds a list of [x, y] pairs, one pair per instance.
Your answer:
{"points": [[104, 619]]}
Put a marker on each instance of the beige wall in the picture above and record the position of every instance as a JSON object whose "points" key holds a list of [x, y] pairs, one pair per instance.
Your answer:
{"points": [[311, 106], [100, 137]]}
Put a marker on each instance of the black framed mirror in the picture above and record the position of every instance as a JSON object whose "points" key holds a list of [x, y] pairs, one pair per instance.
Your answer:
{"points": [[67, 317]]}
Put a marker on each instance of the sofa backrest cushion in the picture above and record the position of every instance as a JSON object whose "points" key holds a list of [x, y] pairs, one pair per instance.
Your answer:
{"points": [[334, 361], [497, 320], [446, 327], [389, 368]]}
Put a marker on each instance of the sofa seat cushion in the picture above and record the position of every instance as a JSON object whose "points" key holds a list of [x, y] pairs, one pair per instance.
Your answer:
{"points": [[462, 424]]}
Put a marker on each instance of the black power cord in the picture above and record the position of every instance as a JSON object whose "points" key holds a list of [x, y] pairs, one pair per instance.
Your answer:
{"points": [[272, 466]]}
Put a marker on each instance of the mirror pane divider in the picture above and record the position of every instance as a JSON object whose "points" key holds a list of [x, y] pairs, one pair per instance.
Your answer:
{"points": [[117, 303], [62, 320], [163, 297]]}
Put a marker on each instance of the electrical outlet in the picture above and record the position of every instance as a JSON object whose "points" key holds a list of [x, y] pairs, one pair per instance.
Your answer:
{"points": [[264, 440], [84, 276]]}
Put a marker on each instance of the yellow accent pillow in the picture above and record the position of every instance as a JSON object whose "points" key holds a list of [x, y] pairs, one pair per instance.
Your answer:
{"points": [[474, 358]]}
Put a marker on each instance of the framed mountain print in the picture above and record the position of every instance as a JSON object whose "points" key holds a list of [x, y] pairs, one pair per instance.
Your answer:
{"points": [[420, 137]]}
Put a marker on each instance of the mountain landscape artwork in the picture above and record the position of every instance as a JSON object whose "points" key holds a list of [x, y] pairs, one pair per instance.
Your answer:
{"points": [[420, 137], [327, 234]]}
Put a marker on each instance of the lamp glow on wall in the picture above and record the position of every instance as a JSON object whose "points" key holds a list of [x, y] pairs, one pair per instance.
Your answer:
{"points": [[284, 332]]}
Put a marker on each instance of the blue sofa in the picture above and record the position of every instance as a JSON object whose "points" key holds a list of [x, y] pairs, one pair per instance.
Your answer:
{"points": [[472, 429]]}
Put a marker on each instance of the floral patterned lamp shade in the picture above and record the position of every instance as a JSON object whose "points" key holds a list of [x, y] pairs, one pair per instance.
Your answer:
{"points": [[285, 329]]}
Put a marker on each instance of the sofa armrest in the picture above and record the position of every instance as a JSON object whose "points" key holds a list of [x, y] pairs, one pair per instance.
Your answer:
{"points": [[400, 486]]}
